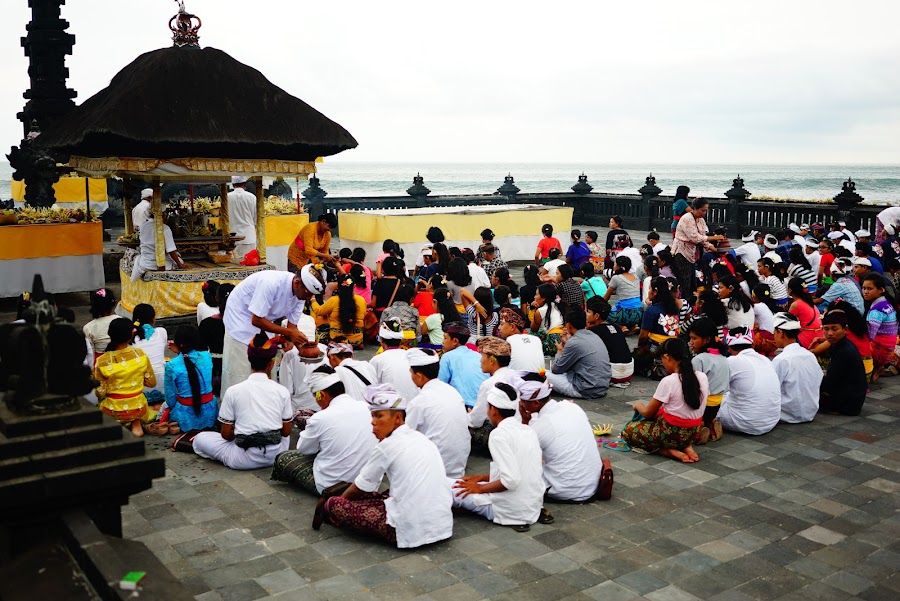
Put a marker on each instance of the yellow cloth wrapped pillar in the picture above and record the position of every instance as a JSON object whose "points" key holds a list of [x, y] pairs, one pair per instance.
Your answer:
{"points": [[156, 203]]}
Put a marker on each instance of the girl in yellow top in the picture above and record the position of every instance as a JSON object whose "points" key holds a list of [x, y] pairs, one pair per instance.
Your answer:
{"points": [[345, 313], [123, 372]]}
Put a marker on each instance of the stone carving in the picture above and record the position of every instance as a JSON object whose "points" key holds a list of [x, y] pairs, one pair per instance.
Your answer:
{"points": [[848, 195], [582, 187], [37, 167], [42, 361], [280, 188], [509, 187], [650, 189], [418, 188], [314, 191], [737, 191]]}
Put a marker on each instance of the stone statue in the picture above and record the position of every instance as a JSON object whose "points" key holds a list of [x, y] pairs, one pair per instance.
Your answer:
{"points": [[37, 167], [42, 361]]}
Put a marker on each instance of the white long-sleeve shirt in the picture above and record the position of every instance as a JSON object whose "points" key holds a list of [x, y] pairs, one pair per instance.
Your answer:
{"points": [[749, 255], [242, 215], [439, 412], [752, 404], [800, 375], [292, 374], [516, 463], [571, 456], [392, 367], [341, 438], [419, 507]]}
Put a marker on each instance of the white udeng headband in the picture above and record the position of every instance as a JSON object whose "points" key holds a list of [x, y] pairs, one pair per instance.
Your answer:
{"points": [[310, 281]]}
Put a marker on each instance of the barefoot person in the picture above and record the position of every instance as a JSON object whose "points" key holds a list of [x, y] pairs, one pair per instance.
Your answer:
{"points": [[674, 415]]}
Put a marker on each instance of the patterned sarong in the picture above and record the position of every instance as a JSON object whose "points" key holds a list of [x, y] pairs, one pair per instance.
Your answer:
{"points": [[296, 469], [653, 435], [366, 515]]}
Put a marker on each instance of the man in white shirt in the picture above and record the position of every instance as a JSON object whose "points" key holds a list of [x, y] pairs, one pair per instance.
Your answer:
{"points": [[798, 371], [496, 355], [438, 412], [799, 236], [479, 276], [748, 252], [512, 494], [142, 211], [771, 243], [571, 457], [752, 404], [527, 352], [355, 374], [242, 213], [391, 365], [418, 510], [335, 444], [146, 261], [254, 304], [811, 248], [637, 261], [255, 416]]}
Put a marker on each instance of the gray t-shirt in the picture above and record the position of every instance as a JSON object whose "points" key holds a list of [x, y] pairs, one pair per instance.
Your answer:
{"points": [[716, 369], [625, 288], [585, 357]]}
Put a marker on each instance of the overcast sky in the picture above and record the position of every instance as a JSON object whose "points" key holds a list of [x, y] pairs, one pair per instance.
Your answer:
{"points": [[782, 81]]}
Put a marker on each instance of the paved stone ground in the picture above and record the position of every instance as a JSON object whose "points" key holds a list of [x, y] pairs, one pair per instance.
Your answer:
{"points": [[807, 511]]}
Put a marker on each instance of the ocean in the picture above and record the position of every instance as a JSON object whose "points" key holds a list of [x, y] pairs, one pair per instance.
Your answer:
{"points": [[876, 183]]}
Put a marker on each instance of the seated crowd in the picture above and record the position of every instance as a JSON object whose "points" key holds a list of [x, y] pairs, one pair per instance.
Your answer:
{"points": [[734, 336]]}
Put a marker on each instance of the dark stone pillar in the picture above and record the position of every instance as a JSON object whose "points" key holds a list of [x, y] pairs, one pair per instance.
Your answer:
{"points": [[315, 199], [735, 196], [846, 200], [419, 191], [509, 189], [648, 192]]}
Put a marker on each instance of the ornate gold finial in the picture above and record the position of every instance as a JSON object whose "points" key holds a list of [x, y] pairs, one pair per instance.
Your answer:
{"points": [[185, 27]]}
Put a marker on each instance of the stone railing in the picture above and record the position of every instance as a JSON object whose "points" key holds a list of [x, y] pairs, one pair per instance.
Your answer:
{"points": [[645, 211]]}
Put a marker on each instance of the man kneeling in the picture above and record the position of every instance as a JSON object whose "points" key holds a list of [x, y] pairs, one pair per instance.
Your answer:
{"points": [[255, 416], [418, 510]]}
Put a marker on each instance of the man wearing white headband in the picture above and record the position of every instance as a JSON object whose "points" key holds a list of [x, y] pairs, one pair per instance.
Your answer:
{"points": [[798, 372], [571, 455], [811, 251], [512, 494], [752, 404], [770, 242], [335, 444], [418, 510], [438, 411], [748, 252], [799, 236], [843, 229], [355, 374], [496, 355], [242, 212], [146, 259], [391, 365], [142, 211], [254, 305]]}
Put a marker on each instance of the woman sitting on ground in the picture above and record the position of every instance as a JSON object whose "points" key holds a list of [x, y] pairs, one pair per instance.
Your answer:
{"points": [[444, 312], [882, 324], [103, 303], [344, 314], [764, 310], [767, 275], [385, 287], [209, 306], [659, 324], [804, 309], [711, 357], [670, 421], [800, 268], [738, 305], [708, 305], [548, 323], [459, 279], [591, 284], [628, 310], [189, 394], [501, 277], [567, 289], [123, 372], [651, 270], [153, 341], [617, 239], [480, 315]]}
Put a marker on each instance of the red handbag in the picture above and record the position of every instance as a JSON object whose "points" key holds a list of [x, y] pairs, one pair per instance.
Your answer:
{"points": [[605, 485]]}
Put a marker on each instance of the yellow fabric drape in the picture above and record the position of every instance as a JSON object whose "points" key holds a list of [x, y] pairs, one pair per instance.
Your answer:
{"points": [[372, 227], [68, 189], [50, 240]]}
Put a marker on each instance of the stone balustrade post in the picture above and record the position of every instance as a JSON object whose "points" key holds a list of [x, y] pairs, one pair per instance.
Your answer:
{"points": [[419, 191], [509, 189], [314, 196], [735, 196]]}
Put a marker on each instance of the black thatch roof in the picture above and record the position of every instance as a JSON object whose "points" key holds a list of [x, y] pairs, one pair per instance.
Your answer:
{"points": [[192, 102]]}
